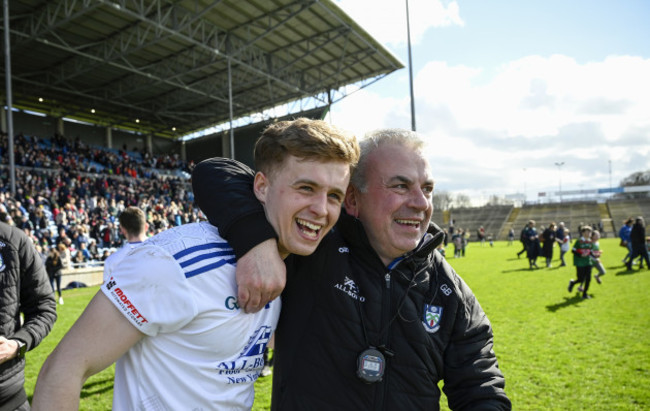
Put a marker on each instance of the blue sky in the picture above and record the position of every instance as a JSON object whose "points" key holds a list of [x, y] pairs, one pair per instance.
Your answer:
{"points": [[505, 89]]}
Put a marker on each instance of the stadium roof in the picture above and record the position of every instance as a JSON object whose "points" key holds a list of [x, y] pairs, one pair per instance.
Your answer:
{"points": [[166, 62]]}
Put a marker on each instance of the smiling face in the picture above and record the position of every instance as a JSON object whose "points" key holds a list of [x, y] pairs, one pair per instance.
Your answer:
{"points": [[395, 205], [302, 200]]}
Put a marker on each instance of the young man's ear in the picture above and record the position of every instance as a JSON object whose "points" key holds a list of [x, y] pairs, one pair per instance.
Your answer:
{"points": [[260, 186], [351, 201]]}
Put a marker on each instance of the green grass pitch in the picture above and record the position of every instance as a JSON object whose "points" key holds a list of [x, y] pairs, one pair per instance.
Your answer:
{"points": [[557, 351]]}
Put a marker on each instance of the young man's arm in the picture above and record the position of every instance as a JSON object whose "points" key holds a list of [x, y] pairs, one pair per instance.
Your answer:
{"points": [[99, 337], [223, 190]]}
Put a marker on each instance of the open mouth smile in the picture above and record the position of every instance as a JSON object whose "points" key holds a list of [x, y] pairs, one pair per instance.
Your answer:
{"points": [[308, 229]]}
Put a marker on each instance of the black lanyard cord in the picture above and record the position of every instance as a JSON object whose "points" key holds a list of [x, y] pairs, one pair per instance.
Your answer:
{"points": [[384, 331]]}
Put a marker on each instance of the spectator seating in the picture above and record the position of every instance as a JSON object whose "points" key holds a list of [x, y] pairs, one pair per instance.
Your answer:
{"points": [[492, 218], [571, 213], [621, 210], [77, 189], [498, 220]]}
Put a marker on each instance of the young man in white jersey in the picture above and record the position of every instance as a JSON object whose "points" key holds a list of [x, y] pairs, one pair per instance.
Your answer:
{"points": [[133, 226], [168, 314]]}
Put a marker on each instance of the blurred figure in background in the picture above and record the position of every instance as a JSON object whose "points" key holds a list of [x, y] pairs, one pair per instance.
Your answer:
{"points": [[133, 226], [582, 261], [595, 255], [638, 240], [565, 246], [532, 244], [624, 235], [549, 242], [53, 266]]}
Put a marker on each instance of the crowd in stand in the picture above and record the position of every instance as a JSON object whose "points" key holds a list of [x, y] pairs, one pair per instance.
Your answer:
{"points": [[58, 153], [70, 194]]}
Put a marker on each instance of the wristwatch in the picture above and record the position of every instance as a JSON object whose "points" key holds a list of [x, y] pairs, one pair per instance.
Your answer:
{"points": [[22, 348]]}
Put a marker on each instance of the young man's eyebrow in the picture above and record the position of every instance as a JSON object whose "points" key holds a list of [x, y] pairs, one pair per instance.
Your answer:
{"points": [[305, 181], [315, 184]]}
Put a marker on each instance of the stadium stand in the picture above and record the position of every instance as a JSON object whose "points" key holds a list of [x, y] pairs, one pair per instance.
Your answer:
{"points": [[492, 218], [620, 210], [70, 193], [572, 213], [497, 220], [439, 218]]}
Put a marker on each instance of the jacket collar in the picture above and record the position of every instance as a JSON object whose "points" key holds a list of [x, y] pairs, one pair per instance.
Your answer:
{"points": [[355, 235]]}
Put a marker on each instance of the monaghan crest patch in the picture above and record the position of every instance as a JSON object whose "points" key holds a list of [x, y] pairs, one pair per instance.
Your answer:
{"points": [[431, 318]]}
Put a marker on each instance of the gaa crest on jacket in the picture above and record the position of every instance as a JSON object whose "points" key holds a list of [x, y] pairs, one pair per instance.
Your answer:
{"points": [[431, 318]]}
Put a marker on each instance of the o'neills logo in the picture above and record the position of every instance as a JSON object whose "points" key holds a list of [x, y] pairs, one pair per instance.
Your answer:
{"points": [[129, 307]]}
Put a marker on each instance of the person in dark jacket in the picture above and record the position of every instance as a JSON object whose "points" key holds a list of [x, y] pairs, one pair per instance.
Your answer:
{"points": [[638, 240], [522, 240], [532, 244], [624, 235], [549, 241], [24, 287], [375, 318], [54, 267]]}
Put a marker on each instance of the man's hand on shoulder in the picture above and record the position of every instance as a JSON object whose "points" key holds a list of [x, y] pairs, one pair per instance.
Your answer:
{"points": [[261, 276]]}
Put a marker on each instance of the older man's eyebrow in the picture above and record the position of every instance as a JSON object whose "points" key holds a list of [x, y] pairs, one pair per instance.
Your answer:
{"points": [[400, 179], [408, 181]]}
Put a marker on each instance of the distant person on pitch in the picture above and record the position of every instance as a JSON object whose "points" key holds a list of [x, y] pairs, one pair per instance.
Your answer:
{"points": [[133, 226], [582, 261], [639, 247]]}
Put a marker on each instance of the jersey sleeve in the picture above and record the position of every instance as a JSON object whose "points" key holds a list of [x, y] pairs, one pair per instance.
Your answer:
{"points": [[223, 190], [150, 289], [595, 250]]}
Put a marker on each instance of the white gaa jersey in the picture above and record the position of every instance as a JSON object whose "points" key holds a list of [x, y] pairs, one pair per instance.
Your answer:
{"points": [[201, 352], [116, 257]]}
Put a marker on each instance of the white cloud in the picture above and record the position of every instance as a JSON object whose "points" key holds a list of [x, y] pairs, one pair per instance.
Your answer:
{"points": [[366, 110], [487, 127], [488, 123], [385, 20]]}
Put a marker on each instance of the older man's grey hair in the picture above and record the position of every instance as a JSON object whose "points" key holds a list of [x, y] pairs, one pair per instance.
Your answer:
{"points": [[374, 139]]}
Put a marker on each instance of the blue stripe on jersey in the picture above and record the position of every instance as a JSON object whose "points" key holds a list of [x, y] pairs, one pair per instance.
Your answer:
{"points": [[205, 257], [199, 248], [208, 256], [209, 267]]}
